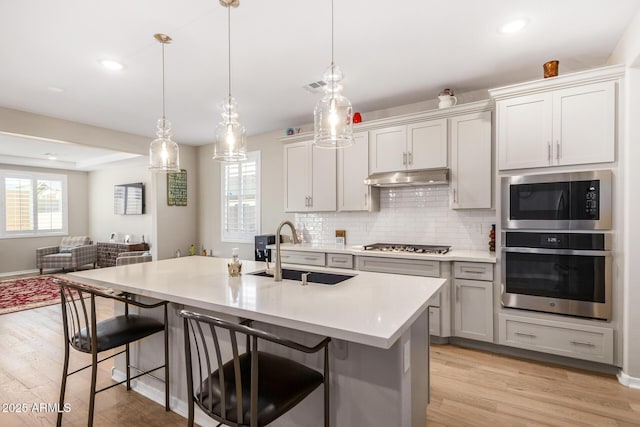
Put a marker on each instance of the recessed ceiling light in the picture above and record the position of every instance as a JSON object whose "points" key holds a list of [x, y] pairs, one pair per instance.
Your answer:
{"points": [[513, 26], [111, 64], [55, 89], [51, 156]]}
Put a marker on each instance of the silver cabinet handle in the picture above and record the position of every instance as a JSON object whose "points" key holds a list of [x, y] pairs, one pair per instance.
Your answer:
{"points": [[584, 343], [558, 149], [365, 200], [526, 334], [549, 151], [341, 261], [472, 270], [306, 201], [454, 196], [310, 258], [410, 161], [404, 158], [457, 293]]}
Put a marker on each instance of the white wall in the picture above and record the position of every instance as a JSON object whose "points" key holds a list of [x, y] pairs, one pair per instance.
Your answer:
{"points": [[272, 196], [19, 254], [628, 52], [102, 220]]}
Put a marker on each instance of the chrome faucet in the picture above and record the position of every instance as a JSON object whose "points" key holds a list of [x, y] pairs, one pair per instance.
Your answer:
{"points": [[277, 274]]}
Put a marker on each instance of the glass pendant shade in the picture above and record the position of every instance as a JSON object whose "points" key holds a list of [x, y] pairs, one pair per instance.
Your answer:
{"points": [[332, 117], [164, 155], [231, 141]]}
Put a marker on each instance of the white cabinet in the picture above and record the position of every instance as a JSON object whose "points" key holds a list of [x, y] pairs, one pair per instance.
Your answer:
{"points": [[574, 125], [586, 342], [353, 169], [473, 300], [470, 171], [414, 146], [309, 178]]}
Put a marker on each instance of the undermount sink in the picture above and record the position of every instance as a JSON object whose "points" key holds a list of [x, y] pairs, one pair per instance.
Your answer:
{"points": [[314, 276]]}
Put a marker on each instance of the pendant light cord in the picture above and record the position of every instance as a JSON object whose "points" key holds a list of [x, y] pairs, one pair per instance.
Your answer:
{"points": [[332, 35], [229, 47], [163, 107]]}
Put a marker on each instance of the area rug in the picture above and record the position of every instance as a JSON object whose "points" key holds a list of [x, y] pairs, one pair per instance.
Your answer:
{"points": [[29, 292]]}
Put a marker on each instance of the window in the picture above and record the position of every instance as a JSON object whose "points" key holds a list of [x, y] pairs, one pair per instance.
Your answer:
{"points": [[33, 204], [240, 190]]}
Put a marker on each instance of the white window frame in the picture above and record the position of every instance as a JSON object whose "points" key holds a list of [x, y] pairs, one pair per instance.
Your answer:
{"points": [[34, 177], [243, 236]]}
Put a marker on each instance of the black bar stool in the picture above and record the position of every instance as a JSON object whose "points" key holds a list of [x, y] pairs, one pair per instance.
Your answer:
{"points": [[253, 388], [84, 333]]}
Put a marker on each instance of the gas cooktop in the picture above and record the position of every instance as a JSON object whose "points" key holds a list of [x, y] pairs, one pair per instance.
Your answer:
{"points": [[418, 249]]}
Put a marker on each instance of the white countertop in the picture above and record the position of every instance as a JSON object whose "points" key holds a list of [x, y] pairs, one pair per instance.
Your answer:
{"points": [[452, 255], [370, 308]]}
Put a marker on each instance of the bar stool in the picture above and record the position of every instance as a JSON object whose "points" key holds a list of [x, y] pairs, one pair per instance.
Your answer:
{"points": [[84, 333], [253, 388]]}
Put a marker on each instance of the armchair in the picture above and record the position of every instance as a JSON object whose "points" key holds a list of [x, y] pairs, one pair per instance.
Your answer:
{"points": [[73, 252], [133, 257]]}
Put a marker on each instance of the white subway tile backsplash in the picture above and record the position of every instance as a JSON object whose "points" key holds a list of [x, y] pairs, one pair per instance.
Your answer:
{"points": [[419, 215]]}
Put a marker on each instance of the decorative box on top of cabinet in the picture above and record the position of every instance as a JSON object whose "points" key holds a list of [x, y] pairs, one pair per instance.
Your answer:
{"points": [[566, 120], [309, 178]]}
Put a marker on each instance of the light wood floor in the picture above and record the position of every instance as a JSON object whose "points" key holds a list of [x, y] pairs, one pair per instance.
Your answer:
{"points": [[469, 387]]}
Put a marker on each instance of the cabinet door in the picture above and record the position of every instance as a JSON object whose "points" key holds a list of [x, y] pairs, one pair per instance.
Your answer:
{"points": [[323, 179], [584, 124], [297, 165], [388, 149], [427, 145], [524, 131], [474, 310], [471, 161], [353, 169]]}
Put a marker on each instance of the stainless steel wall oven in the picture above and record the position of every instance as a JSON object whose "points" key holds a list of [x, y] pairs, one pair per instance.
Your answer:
{"points": [[565, 273]]}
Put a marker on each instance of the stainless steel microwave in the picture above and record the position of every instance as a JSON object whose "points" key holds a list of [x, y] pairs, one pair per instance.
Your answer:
{"points": [[562, 201]]}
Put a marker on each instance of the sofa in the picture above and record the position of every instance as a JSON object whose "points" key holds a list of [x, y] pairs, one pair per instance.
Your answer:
{"points": [[72, 252]]}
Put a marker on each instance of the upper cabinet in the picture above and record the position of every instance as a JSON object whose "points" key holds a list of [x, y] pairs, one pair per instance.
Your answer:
{"points": [[310, 178], [353, 168], [414, 146], [568, 120], [471, 172]]}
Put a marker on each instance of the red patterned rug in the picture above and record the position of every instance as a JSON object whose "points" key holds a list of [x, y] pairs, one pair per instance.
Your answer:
{"points": [[28, 293]]}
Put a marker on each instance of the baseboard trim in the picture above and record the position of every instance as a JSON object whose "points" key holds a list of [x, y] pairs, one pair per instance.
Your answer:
{"points": [[628, 380], [157, 395], [17, 273]]}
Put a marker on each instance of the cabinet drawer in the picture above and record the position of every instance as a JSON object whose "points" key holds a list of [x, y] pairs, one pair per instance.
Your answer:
{"points": [[340, 260], [303, 257], [412, 267], [577, 341], [473, 271]]}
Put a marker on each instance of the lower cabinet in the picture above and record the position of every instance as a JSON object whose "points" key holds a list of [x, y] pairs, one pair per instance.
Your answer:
{"points": [[562, 338], [473, 301]]}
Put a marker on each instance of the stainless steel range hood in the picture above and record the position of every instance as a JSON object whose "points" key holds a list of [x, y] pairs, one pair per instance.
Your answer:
{"points": [[408, 178]]}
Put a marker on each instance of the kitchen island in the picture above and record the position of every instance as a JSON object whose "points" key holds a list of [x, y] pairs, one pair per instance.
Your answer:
{"points": [[378, 323]]}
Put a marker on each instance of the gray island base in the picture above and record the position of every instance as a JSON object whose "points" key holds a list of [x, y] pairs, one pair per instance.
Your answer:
{"points": [[378, 324]]}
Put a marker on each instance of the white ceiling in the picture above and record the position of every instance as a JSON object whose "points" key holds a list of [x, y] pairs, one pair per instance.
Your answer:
{"points": [[392, 53]]}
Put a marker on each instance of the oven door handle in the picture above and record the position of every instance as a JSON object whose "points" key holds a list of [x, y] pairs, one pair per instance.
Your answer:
{"points": [[557, 251]]}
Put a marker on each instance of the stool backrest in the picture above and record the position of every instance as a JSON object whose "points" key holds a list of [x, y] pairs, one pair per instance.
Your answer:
{"points": [[78, 315]]}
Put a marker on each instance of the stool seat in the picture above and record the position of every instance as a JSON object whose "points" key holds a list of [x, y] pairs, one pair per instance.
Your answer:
{"points": [[117, 331], [282, 384]]}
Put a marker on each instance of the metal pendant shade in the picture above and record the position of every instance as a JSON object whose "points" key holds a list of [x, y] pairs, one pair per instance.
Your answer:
{"points": [[164, 154], [231, 141], [332, 117]]}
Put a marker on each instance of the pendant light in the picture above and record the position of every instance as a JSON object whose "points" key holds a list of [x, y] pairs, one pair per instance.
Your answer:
{"points": [[333, 127], [231, 144], [164, 155]]}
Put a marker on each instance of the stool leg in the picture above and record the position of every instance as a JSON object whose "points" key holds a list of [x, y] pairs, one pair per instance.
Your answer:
{"points": [[92, 397], [63, 384], [126, 348]]}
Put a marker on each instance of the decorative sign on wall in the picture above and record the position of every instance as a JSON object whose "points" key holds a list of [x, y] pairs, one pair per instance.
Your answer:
{"points": [[177, 188]]}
